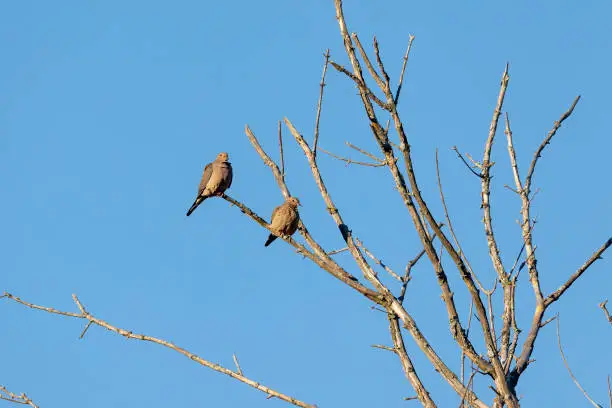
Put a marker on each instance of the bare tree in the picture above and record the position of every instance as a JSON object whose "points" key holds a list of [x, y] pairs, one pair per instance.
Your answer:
{"points": [[507, 353]]}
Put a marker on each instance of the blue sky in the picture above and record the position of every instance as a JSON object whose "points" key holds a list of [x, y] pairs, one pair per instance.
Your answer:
{"points": [[109, 111]]}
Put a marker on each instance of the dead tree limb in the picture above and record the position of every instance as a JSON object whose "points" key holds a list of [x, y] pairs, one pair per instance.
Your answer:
{"points": [[86, 316]]}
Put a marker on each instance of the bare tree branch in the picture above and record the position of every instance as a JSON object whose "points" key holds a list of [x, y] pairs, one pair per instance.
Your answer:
{"points": [[531, 261], [378, 261], [84, 314], [486, 184], [322, 86], [22, 398], [450, 225], [596, 255], [469, 325], [470, 381], [383, 141], [364, 55], [516, 330], [401, 78], [411, 375], [393, 304], [603, 307], [337, 251], [541, 307], [333, 267], [280, 148], [546, 141], [512, 154], [570, 371], [466, 163], [387, 85], [351, 161], [325, 262], [370, 155], [359, 83], [238, 369], [407, 272]]}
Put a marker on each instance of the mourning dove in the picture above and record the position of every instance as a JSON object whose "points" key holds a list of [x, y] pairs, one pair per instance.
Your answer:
{"points": [[217, 178], [285, 219]]}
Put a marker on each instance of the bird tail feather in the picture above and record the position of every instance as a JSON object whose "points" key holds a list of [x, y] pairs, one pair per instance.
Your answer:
{"points": [[197, 202], [271, 239]]}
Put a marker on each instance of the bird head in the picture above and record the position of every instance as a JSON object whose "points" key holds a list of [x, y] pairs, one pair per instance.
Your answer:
{"points": [[294, 202], [223, 156]]}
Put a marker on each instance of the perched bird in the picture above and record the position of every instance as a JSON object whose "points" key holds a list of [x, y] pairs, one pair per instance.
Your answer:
{"points": [[217, 178], [285, 219]]}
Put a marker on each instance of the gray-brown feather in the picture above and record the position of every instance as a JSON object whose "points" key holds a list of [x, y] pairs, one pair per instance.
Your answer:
{"points": [[205, 177], [285, 219]]}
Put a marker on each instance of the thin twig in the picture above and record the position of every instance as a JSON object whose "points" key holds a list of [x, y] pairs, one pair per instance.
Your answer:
{"points": [[280, 147], [378, 261], [84, 314], [409, 370], [570, 371], [401, 78], [351, 161], [596, 255], [470, 381], [370, 155], [409, 266], [603, 307], [465, 162], [238, 369], [360, 84], [489, 294], [469, 325], [512, 154], [337, 251], [450, 225], [544, 323], [381, 67], [322, 86], [15, 398], [546, 141], [383, 347], [366, 59], [407, 276]]}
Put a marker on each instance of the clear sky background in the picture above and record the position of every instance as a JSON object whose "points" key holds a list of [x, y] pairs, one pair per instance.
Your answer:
{"points": [[109, 111]]}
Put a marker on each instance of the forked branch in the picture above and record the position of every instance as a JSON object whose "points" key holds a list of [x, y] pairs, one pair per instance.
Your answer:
{"points": [[409, 371], [91, 319]]}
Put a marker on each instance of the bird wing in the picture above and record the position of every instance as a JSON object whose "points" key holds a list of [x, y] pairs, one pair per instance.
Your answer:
{"points": [[208, 170], [230, 175], [293, 222], [275, 213]]}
